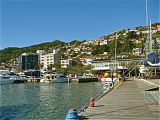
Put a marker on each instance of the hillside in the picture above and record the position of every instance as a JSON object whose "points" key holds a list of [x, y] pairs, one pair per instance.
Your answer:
{"points": [[127, 40]]}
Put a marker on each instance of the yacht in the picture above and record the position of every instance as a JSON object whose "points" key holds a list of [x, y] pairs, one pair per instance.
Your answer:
{"points": [[59, 78], [54, 78], [5, 78]]}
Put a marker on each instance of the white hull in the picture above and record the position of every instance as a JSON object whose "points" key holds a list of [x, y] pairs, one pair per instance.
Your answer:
{"points": [[61, 80], [154, 65], [46, 81], [109, 80], [54, 79]]}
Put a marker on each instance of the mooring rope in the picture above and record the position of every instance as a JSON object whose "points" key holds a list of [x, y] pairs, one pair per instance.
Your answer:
{"points": [[99, 95]]}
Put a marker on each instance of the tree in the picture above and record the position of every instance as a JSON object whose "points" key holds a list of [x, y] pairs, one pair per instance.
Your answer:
{"points": [[100, 49], [131, 35], [49, 68]]}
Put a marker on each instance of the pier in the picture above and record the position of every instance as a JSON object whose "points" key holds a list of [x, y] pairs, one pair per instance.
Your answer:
{"points": [[82, 80], [126, 102]]}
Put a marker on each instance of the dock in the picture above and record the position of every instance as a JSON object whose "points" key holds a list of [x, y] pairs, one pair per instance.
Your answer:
{"points": [[83, 80], [127, 102]]}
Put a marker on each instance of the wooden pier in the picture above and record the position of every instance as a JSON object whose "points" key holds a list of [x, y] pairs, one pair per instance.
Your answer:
{"points": [[124, 103], [82, 80]]}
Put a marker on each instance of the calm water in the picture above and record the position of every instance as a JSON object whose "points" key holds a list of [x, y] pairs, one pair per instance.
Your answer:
{"points": [[37, 101]]}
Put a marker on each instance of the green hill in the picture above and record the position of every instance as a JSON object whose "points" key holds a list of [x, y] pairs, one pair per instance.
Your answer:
{"points": [[125, 44]]}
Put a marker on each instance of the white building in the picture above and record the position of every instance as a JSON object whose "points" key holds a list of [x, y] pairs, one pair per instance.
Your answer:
{"points": [[137, 51], [66, 63], [48, 59], [106, 65], [103, 42]]}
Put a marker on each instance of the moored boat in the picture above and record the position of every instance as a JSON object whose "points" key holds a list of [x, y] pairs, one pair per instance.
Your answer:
{"points": [[59, 78], [5, 78], [54, 78], [110, 78]]}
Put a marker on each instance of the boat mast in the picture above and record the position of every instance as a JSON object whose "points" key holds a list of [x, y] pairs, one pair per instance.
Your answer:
{"points": [[146, 13], [115, 53], [147, 31], [150, 37]]}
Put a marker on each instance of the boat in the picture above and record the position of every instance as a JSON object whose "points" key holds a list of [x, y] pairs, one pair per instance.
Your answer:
{"points": [[59, 78], [47, 78], [9, 77], [22, 76], [54, 78], [110, 78], [5, 78], [151, 62]]}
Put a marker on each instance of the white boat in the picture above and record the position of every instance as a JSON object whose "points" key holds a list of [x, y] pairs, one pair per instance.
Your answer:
{"points": [[54, 78], [5, 78], [47, 78], [22, 76], [9, 77], [111, 78], [59, 78]]}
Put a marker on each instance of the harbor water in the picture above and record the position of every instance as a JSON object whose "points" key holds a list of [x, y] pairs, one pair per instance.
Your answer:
{"points": [[40, 101]]}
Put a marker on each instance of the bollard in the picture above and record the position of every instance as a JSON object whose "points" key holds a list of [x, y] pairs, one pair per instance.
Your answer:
{"points": [[72, 115], [92, 101]]}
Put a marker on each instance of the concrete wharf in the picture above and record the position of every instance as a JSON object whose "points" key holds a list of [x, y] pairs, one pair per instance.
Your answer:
{"points": [[127, 102]]}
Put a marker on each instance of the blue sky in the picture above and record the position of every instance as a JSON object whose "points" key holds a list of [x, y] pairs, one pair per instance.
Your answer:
{"points": [[29, 22]]}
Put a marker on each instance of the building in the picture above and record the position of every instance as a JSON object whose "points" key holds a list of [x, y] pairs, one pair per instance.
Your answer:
{"points": [[103, 42], [66, 63], [49, 58], [28, 61], [137, 51], [100, 67], [106, 65]]}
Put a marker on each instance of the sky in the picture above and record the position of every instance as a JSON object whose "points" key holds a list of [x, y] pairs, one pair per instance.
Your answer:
{"points": [[28, 22]]}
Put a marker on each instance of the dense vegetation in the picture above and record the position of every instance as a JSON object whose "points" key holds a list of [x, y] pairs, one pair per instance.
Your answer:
{"points": [[11, 53]]}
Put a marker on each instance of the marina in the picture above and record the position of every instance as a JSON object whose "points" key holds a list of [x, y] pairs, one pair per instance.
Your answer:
{"points": [[84, 60]]}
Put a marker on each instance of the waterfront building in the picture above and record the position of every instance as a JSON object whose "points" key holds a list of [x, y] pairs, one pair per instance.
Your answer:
{"points": [[100, 67], [105, 65], [28, 61], [48, 59]]}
